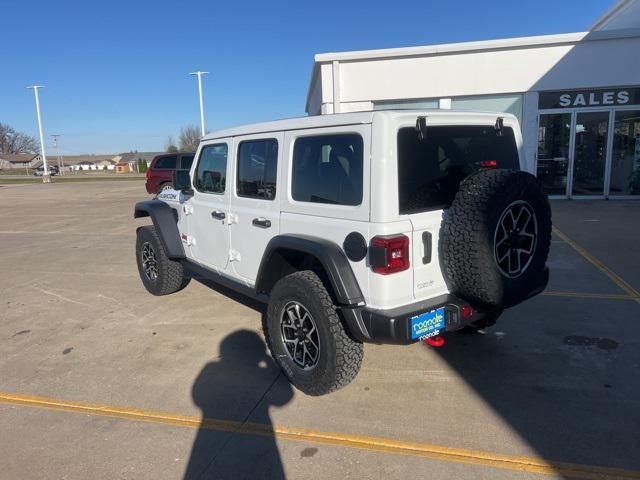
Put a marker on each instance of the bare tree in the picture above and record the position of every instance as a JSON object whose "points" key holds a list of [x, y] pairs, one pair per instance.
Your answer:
{"points": [[170, 145], [189, 138], [16, 142]]}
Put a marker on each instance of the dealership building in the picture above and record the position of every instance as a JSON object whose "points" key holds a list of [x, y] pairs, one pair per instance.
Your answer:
{"points": [[577, 95]]}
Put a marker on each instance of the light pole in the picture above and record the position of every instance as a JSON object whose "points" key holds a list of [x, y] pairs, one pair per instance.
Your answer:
{"points": [[199, 74], [45, 176], [59, 158]]}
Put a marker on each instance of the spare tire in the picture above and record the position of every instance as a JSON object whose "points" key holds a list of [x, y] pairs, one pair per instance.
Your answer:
{"points": [[495, 238]]}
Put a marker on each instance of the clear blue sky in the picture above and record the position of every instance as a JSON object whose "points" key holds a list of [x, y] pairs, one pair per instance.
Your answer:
{"points": [[116, 73]]}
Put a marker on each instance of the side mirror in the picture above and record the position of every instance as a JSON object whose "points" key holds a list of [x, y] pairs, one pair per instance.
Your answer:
{"points": [[182, 181]]}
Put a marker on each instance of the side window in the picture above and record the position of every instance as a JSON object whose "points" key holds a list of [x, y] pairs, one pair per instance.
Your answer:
{"points": [[257, 167], [211, 174], [328, 169], [166, 162], [186, 161]]}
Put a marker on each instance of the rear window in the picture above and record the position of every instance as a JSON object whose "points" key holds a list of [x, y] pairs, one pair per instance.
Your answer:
{"points": [[166, 162], [328, 169], [186, 161], [430, 170]]}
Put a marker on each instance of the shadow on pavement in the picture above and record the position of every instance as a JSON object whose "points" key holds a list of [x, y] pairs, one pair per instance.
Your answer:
{"points": [[561, 381], [235, 387]]}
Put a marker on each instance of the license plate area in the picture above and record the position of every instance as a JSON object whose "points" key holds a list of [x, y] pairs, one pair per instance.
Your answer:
{"points": [[427, 324]]}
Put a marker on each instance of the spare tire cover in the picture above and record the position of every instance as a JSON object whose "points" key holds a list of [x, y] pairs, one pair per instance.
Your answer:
{"points": [[494, 240]]}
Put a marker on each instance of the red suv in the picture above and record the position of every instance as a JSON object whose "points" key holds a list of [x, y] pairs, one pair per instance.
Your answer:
{"points": [[160, 173]]}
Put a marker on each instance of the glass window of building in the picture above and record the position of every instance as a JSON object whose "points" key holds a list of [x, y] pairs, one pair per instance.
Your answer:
{"points": [[625, 161], [490, 103]]}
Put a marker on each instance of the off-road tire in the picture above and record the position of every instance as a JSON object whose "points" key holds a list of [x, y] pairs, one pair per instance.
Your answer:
{"points": [[340, 355], [170, 274], [468, 237]]}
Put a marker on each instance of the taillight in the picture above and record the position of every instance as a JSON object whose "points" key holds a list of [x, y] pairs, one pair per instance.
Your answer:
{"points": [[148, 174], [389, 254], [488, 163]]}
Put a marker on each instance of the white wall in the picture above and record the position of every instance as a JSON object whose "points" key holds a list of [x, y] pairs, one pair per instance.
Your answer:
{"points": [[591, 62]]}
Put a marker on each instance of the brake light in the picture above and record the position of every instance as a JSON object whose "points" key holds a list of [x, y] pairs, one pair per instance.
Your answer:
{"points": [[390, 254], [488, 163], [148, 174]]}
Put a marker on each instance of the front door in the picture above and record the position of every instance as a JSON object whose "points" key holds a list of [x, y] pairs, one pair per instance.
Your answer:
{"points": [[209, 207], [255, 201], [590, 153]]}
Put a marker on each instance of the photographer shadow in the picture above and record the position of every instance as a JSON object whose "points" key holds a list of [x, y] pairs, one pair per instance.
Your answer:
{"points": [[238, 387]]}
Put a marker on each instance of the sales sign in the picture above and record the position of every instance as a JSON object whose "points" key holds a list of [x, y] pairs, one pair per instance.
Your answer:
{"points": [[601, 97]]}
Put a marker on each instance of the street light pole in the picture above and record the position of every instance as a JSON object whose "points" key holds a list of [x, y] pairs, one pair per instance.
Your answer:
{"points": [[45, 176], [58, 156], [199, 74]]}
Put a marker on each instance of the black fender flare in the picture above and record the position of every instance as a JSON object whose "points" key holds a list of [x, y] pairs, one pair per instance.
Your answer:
{"points": [[164, 219], [336, 266], [330, 255]]}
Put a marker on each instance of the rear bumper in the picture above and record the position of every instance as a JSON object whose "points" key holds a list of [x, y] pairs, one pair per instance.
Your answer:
{"points": [[393, 326]]}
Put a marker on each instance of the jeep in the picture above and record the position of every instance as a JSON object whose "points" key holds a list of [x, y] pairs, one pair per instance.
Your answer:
{"points": [[386, 227]]}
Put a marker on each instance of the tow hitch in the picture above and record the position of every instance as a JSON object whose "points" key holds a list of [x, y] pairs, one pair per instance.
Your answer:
{"points": [[435, 341]]}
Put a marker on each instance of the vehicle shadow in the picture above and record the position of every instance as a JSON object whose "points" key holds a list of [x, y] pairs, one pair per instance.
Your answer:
{"points": [[563, 386], [236, 388]]}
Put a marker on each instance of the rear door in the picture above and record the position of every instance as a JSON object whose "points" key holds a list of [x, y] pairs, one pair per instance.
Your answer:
{"points": [[255, 201], [429, 174]]}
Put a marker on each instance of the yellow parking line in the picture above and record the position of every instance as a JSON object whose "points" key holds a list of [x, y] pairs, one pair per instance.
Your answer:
{"points": [[599, 265], [606, 296], [361, 442]]}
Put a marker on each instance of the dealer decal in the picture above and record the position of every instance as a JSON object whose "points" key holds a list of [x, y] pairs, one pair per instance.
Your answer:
{"points": [[427, 324]]}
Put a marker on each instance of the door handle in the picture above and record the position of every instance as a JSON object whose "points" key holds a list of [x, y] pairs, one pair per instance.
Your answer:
{"points": [[261, 222], [217, 214]]}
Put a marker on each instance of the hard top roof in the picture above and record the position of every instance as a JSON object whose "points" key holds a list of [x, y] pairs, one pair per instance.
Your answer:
{"points": [[337, 119]]}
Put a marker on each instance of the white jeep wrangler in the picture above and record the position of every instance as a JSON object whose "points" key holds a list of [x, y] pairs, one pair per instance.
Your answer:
{"points": [[383, 227]]}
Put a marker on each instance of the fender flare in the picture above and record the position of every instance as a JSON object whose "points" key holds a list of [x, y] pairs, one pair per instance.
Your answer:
{"points": [[164, 219], [330, 255]]}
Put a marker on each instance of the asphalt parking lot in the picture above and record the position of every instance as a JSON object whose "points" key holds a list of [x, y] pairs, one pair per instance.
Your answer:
{"points": [[99, 379]]}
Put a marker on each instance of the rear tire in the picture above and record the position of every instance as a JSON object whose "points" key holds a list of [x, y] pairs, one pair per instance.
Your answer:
{"points": [[324, 358], [159, 274]]}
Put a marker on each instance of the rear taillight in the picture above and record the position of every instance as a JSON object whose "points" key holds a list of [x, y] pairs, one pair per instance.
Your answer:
{"points": [[488, 163], [389, 254], [148, 174]]}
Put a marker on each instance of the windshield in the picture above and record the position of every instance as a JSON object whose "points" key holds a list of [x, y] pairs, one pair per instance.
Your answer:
{"points": [[430, 170]]}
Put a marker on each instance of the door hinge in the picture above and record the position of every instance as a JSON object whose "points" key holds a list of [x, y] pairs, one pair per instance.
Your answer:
{"points": [[234, 256], [188, 240], [232, 218]]}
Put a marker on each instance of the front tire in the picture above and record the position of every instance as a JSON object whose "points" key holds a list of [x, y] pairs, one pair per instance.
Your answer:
{"points": [[159, 274], [307, 338]]}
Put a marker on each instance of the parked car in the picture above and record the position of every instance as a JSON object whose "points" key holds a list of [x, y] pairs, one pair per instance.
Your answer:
{"points": [[53, 171], [160, 172], [383, 227]]}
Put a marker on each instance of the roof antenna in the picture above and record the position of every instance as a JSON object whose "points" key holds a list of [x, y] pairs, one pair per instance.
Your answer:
{"points": [[421, 127], [499, 126]]}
